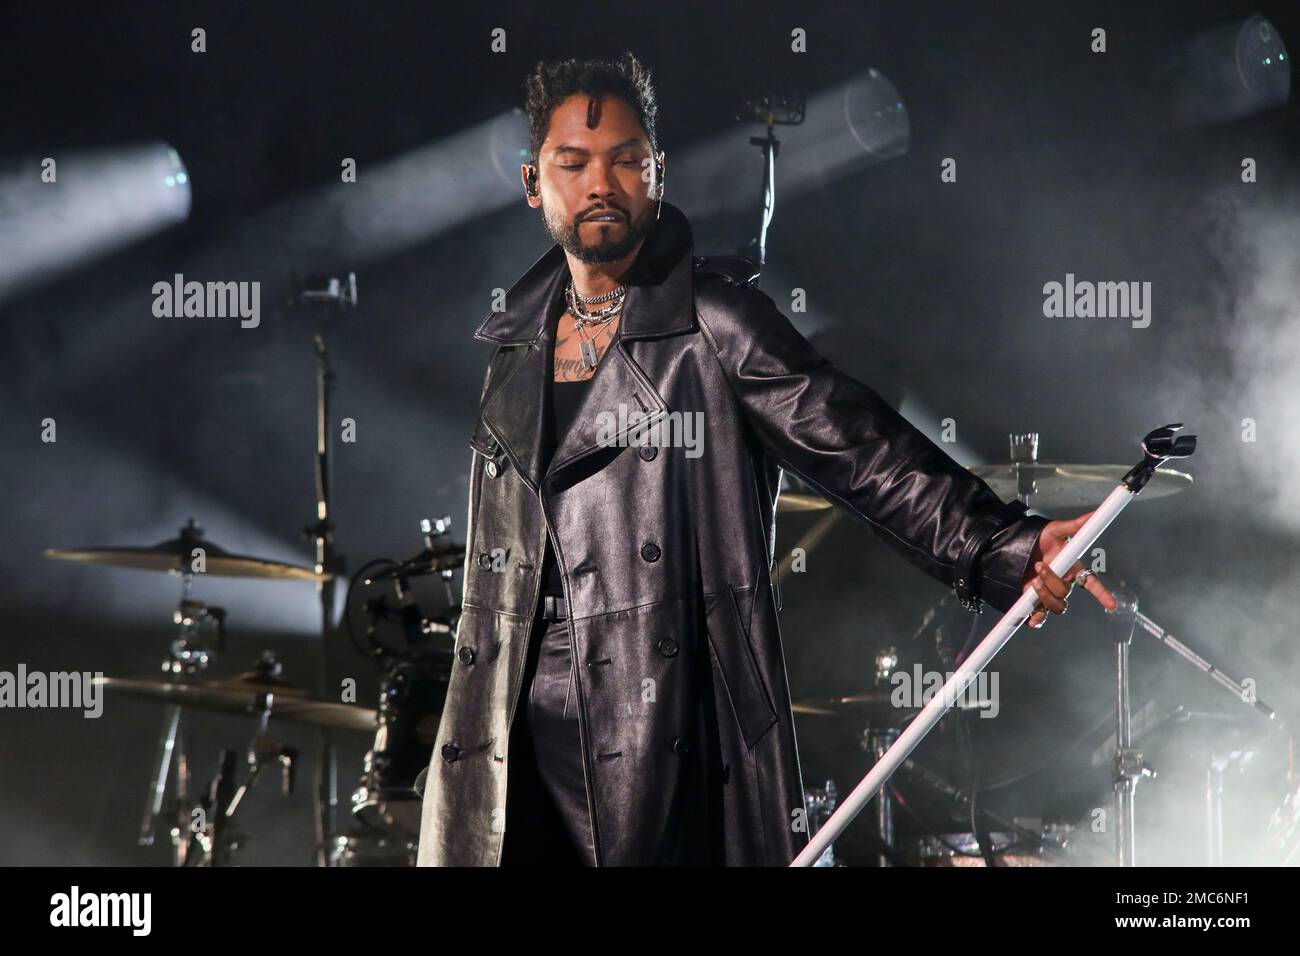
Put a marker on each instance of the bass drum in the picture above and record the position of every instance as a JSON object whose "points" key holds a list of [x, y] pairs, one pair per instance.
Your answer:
{"points": [[410, 708]]}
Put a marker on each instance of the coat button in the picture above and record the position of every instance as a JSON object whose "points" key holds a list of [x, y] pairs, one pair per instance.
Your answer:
{"points": [[450, 752], [668, 647], [648, 452], [492, 468], [681, 746], [465, 655], [485, 561], [650, 551]]}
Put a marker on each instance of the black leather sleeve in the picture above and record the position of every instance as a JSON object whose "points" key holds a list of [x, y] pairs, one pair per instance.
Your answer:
{"points": [[845, 441]]}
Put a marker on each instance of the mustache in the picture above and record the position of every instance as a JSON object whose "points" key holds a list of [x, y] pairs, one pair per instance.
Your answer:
{"points": [[609, 211]]}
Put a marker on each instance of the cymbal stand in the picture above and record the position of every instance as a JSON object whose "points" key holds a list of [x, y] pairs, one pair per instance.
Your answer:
{"points": [[189, 655], [326, 796], [322, 532], [218, 837], [877, 741], [336, 294], [1129, 766]]}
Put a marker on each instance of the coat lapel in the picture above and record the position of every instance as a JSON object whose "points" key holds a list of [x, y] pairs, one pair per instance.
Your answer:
{"points": [[514, 409], [619, 389]]}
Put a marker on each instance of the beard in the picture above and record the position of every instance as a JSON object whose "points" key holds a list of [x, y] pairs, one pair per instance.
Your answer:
{"points": [[568, 234]]}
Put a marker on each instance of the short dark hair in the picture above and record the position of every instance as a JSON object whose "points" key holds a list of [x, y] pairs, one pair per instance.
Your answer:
{"points": [[550, 84]]}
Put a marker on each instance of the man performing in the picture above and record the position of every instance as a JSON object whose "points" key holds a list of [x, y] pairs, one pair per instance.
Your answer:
{"points": [[619, 691]]}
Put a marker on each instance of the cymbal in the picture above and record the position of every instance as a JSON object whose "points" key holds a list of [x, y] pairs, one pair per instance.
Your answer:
{"points": [[875, 705], [175, 555], [1055, 487], [242, 695], [791, 503], [1072, 487]]}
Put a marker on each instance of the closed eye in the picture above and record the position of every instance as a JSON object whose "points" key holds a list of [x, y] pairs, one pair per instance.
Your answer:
{"points": [[621, 162]]}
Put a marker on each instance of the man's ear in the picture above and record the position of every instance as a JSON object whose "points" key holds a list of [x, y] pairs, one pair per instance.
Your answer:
{"points": [[532, 191]]}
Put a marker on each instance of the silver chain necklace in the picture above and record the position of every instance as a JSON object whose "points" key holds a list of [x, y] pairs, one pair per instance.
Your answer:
{"points": [[584, 320], [594, 299]]}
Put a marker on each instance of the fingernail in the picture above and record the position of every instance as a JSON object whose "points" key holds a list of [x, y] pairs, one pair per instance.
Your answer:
{"points": [[1038, 566]]}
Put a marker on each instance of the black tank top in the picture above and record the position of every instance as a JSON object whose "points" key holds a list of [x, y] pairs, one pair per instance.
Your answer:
{"points": [[565, 398]]}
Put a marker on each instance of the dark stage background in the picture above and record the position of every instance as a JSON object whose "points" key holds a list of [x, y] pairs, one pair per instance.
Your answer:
{"points": [[1068, 162]]}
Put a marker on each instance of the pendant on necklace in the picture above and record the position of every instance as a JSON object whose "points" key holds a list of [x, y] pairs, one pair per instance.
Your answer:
{"points": [[588, 349]]}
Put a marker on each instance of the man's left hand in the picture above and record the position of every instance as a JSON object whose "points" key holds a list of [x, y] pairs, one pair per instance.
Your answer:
{"points": [[1053, 591]]}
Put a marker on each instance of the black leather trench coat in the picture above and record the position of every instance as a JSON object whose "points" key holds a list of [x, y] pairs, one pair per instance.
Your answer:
{"points": [[680, 682]]}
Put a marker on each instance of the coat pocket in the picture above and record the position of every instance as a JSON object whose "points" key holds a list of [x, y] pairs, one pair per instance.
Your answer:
{"points": [[734, 657]]}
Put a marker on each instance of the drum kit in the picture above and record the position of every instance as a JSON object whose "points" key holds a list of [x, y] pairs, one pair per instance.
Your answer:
{"points": [[413, 676], [412, 688], [1224, 740]]}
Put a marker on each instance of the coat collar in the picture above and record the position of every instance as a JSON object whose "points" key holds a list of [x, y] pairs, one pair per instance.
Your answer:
{"points": [[659, 302], [657, 297]]}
